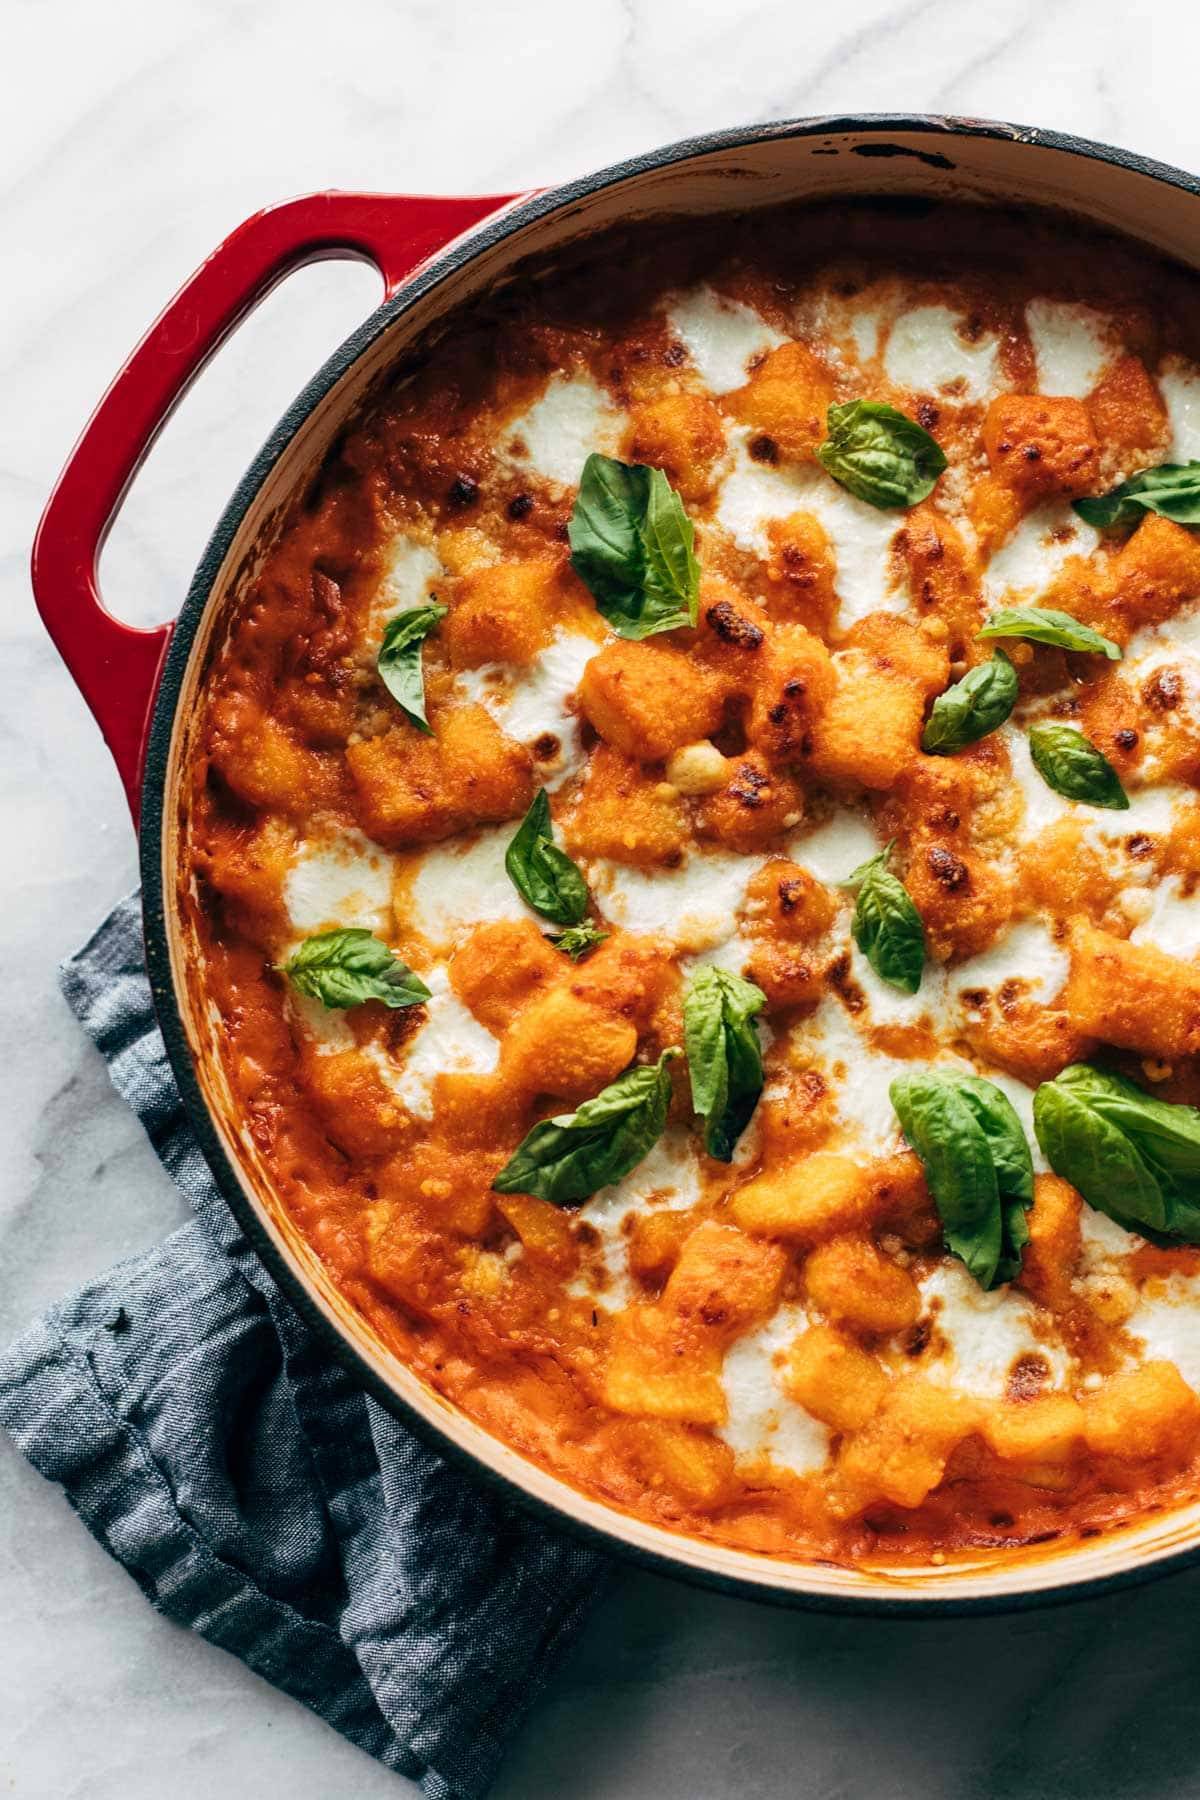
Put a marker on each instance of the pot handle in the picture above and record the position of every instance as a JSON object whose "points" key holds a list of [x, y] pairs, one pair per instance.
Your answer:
{"points": [[116, 666]]}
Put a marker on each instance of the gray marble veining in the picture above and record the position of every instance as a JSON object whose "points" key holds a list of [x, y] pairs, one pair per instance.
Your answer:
{"points": [[134, 136]]}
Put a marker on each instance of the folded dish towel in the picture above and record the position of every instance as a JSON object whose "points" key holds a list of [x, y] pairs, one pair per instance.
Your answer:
{"points": [[253, 1491]]}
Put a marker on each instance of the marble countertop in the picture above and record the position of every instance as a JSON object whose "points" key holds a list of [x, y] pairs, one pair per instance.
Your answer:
{"points": [[134, 138]]}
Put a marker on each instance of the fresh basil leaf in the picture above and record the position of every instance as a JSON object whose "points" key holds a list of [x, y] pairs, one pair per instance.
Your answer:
{"points": [[399, 660], [977, 1164], [577, 940], [977, 704], [1134, 1157], [569, 1158], [345, 967], [631, 544], [542, 874], [880, 455], [1071, 765], [1172, 489], [887, 926], [1096, 1157], [724, 1054], [1043, 625]]}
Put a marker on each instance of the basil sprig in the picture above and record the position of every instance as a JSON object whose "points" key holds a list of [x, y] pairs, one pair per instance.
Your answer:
{"points": [[631, 544], [880, 455], [977, 704], [1070, 763], [399, 660], [1172, 489], [1043, 625], [543, 875], [887, 926], [577, 940], [343, 968], [1133, 1157], [977, 1164], [568, 1158], [724, 1054]]}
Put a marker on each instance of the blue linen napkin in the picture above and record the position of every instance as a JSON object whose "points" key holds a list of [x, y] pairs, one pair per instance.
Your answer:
{"points": [[254, 1493]]}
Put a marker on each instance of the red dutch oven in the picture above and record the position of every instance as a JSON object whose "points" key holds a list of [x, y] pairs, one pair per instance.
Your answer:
{"points": [[433, 254]]}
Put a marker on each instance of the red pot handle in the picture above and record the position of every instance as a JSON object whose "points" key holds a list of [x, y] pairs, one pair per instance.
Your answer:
{"points": [[116, 666]]}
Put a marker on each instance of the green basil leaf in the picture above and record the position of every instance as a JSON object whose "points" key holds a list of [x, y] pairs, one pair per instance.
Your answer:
{"points": [[1096, 1156], [977, 1164], [1172, 489], [977, 704], [345, 967], [887, 926], [631, 544], [577, 940], [880, 455], [1043, 625], [399, 660], [543, 875], [1071, 765], [946, 1134], [1158, 1192], [724, 1054], [569, 1158]]}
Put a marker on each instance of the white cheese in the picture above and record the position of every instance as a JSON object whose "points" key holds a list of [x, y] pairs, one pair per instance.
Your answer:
{"points": [[859, 1075], [1167, 1320], [1174, 921], [861, 536], [1179, 383], [984, 1334], [1027, 953], [666, 1180], [695, 906], [570, 419], [531, 703], [1072, 346], [1027, 565], [835, 848], [461, 885], [1103, 1240], [721, 336], [342, 880], [327, 1029], [411, 567], [927, 352], [887, 1005], [763, 1421], [450, 1041]]}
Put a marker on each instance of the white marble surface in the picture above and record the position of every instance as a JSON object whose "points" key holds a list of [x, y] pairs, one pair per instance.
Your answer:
{"points": [[134, 135]]}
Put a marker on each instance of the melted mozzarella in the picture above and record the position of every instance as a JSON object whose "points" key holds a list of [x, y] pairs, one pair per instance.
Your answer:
{"points": [[410, 569], [1034, 555], [1173, 924], [1104, 1241], [666, 1180], [1072, 345], [984, 1334], [835, 848], [451, 1041], [860, 535], [1026, 953], [1179, 383], [344, 880], [531, 703], [571, 418], [694, 906], [927, 352], [763, 1421], [858, 1074], [721, 336], [1167, 1320], [461, 885]]}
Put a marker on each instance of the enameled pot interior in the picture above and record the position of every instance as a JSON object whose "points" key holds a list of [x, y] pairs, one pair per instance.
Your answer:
{"points": [[815, 159]]}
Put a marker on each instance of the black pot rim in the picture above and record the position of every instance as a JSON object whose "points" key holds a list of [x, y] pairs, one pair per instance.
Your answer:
{"points": [[873, 126]]}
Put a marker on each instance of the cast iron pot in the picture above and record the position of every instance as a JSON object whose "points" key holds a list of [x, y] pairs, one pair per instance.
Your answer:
{"points": [[141, 685]]}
